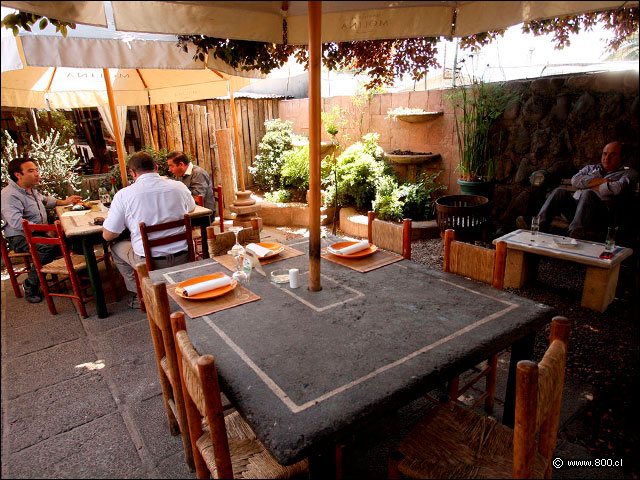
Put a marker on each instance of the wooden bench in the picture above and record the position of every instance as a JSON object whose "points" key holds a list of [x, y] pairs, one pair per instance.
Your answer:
{"points": [[602, 275]]}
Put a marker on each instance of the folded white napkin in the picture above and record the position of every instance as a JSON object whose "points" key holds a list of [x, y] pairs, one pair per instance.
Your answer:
{"points": [[206, 286], [361, 245], [75, 213], [258, 249]]}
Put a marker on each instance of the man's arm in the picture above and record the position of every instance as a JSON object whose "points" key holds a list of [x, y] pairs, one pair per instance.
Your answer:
{"points": [[109, 235], [198, 184], [69, 200], [582, 180]]}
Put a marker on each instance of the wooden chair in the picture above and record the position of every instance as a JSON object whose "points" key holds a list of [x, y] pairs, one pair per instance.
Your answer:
{"points": [[148, 244], [226, 447], [221, 243], [483, 265], [454, 442], [385, 235], [157, 306], [7, 256], [69, 265]]}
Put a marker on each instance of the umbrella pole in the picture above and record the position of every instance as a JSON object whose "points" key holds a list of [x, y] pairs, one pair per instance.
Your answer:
{"points": [[116, 128], [315, 52]]}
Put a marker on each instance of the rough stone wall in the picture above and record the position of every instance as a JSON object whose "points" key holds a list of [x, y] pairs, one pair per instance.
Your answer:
{"points": [[560, 125]]}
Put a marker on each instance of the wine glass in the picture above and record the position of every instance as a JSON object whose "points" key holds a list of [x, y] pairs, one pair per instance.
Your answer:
{"points": [[237, 247], [535, 227], [240, 275]]}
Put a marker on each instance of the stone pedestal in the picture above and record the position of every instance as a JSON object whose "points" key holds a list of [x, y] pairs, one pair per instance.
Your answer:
{"points": [[245, 208]]}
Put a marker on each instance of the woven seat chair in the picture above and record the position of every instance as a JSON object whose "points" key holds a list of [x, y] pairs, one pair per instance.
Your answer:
{"points": [[7, 256], [148, 244], [454, 442], [385, 235], [157, 307], [69, 265], [483, 265], [221, 243], [225, 447]]}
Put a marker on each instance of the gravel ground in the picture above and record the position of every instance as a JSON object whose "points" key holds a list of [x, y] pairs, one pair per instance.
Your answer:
{"points": [[603, 352]]}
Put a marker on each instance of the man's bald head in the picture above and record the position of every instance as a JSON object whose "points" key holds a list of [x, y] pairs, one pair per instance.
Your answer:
{"points": [[611, 156]]}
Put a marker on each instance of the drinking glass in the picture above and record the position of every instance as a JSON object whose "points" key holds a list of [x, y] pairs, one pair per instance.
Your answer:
{"points": [[611, 239], [535, 226], [237, 247], [240, 275]]}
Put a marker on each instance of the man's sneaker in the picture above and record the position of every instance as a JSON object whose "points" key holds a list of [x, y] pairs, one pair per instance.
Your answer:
{"points": [[521, 223], [134, 303], [31, 293]]}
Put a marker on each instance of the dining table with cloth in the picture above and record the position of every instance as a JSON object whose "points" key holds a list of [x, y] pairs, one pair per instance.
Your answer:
{"points": [[305, 368], [78, 225]]}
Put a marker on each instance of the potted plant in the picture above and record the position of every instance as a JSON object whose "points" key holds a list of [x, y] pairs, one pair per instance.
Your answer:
{"points": [[412, 115], [477, 105]]}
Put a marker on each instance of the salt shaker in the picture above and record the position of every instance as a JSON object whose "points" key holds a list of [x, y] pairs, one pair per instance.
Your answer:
{"points": [[294, 278]]}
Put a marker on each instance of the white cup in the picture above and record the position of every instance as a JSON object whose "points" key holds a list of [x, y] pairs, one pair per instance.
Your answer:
{"points": [[294, 278]]}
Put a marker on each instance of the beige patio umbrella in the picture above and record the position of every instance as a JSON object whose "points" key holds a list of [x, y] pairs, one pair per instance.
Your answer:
{"points": [[312, 23]]}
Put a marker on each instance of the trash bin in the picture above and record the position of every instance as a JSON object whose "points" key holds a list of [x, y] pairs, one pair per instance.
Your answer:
{"points": [[468, 215]]}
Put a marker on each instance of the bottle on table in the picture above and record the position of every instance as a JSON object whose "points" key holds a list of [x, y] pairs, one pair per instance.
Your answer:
{"points": [[104, 196], [114, 190]]}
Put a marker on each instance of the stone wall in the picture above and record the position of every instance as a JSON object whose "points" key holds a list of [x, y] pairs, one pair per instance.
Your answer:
{"points": [[560, 125]]}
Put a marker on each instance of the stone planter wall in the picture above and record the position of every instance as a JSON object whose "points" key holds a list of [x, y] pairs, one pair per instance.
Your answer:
{"points": [[561, 124]]}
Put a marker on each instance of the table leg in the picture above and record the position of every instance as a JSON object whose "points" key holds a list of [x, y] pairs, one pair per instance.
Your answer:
{"points": [[599, 287], [520, 266], [94, 277], [203, 232], [322, 464], [521, 350]]}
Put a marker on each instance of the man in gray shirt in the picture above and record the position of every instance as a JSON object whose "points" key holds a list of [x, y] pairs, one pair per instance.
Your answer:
{"points": [[21, 200], [601, 191], [195, 178]]}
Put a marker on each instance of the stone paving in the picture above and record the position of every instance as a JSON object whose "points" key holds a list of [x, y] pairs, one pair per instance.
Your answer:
{"points": [[81, 399]]}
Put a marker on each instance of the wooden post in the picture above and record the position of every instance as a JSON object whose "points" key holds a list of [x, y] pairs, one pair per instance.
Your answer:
{"points": [[500, 265], [315, 54], [449, 236], [116, 129], [223, 140], [406, 238], [235, 136], [371, 216]]}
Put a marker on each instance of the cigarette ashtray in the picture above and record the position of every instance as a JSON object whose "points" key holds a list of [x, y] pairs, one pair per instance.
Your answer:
{"points": [[280, 276]]}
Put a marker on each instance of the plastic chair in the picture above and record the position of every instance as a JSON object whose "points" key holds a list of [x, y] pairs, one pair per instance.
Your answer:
{"points": [[148, 244], [483, 265], [455, 442], [157, 306], [226, 447], [69, 265], [14, 273], [384, 235]]}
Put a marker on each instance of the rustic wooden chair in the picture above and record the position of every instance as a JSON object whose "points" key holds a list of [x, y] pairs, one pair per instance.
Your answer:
{"points": [[451, 441], [483, 265], [385, 235], [226, 447], [68, 266], [157, 306], [221, 243], [148, 244], [7, 256]]}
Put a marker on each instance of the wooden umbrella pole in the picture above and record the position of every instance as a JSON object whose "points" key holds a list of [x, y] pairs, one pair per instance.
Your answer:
{"points": [[315, 53], [237, 141], [116, 128]]}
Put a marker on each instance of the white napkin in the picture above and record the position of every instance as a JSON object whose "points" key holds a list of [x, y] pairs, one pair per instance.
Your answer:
{"points": [[361, 245], [206, 286], [258, 249], [75, 213]]}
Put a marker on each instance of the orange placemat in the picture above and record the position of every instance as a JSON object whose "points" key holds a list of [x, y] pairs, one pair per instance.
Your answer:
{"points": [[378, 259], [197, 308], [230, 262]]}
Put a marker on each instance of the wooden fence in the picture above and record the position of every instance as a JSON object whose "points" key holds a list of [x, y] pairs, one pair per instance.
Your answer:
{"points": [[193, 127]]}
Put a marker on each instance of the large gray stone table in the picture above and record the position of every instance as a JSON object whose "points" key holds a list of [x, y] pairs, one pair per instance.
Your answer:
{"points": [[306, 368]]}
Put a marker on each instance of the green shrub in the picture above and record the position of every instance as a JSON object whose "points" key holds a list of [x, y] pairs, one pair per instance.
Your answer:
{"points": [[160, 157], [278, 196], [411, 200], [295, 169], [357, 170], [266, 168]]}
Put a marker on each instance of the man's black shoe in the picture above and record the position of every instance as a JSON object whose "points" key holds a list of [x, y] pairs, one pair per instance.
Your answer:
{"points": [[31, 293], [33, 298]]}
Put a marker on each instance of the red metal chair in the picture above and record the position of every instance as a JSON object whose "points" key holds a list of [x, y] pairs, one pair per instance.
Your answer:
{"points": [[14, 273], [69, 265]]}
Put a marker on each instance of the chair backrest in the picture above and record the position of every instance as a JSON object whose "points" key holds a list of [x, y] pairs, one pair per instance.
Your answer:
{"points": [[538, 401], [385, 235], [201, 392], [57, 238], [148, 244], [221, 243], [199, 199], [217, 193], [478, 263]]}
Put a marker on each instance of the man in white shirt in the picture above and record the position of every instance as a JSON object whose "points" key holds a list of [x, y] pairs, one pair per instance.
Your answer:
{"points": [[151, 199]]}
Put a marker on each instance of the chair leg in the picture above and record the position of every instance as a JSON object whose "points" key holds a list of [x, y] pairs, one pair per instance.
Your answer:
{"points": [[78, 294], [45, 292], [453, 387], [491, 383], [14, 280]]}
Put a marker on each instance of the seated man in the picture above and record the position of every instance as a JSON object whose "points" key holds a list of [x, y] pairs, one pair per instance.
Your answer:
{"points": [[600, 194], [20, 199], [195, 178], [151, 199]]}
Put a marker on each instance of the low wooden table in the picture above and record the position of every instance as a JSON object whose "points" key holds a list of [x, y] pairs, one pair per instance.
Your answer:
{"points": [[602, 275], [82, 227]]}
